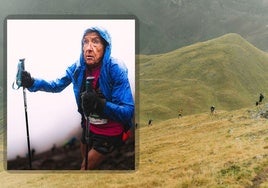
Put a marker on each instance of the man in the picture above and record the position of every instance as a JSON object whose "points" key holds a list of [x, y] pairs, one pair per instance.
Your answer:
{"points": [[180, 113], [212, 109], [150, 122], [110, 105], [261, 98]]}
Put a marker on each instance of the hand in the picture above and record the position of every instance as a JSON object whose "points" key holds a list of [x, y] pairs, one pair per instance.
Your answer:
{"points": [[91, 103], [26, 79]]}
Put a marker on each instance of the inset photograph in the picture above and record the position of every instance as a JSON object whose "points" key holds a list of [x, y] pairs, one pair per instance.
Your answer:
{"points": [[70, 93]]}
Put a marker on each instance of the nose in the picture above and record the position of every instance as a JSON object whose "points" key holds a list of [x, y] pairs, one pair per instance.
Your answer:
{"points": [[88, 46]]}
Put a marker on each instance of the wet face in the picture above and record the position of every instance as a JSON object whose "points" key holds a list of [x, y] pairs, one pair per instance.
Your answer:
{"points": [[93, 49]]}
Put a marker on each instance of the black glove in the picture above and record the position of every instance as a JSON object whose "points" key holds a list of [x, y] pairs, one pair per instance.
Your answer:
{"points": [[91, 103], [26, 79]]}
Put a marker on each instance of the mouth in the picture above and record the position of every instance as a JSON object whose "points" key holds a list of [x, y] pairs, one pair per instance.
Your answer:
{"points": [[89, 57]]}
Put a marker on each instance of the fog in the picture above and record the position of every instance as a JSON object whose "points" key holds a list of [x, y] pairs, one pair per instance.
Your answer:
{"points": [[49, 47]]}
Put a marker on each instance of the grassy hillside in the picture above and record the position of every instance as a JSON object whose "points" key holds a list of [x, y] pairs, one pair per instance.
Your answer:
{"points": [[227, 72], [228, 149]]}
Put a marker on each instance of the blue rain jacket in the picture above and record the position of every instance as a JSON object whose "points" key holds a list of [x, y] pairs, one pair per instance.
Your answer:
{"points": [[113, 82]]}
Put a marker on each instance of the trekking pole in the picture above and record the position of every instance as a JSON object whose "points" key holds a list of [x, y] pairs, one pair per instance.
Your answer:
{"points": [[18, 83], [88, 89], [27, 129]]}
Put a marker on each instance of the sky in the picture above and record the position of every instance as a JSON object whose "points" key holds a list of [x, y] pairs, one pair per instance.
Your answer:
{"points": [[49, 47]]}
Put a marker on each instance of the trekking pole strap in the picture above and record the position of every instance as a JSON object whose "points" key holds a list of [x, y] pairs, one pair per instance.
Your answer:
{"points": [[17, 82]]}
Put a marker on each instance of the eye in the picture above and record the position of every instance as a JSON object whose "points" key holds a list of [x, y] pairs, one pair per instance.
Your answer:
{"points": [[96, 41], [85, 42]]}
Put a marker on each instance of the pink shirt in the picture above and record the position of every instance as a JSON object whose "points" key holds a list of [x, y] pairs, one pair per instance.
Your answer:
{"points": [[112, 128]]}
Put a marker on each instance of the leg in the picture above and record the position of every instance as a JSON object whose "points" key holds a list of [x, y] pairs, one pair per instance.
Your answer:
{"points": [[100, 146], [94, 159]]}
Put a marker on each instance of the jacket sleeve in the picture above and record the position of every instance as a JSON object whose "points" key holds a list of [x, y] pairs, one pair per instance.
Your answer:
{"points": [[121, 105], [53, 86]]}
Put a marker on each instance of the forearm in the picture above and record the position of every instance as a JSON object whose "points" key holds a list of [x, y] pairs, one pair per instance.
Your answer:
{"points": [[49, 86], [122, 113]]}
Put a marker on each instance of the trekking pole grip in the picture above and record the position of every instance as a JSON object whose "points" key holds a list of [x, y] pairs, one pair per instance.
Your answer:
{"points": [[89, 81]]}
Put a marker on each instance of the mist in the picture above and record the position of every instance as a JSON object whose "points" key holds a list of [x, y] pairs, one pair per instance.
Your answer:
{"points": [[49, 47]]}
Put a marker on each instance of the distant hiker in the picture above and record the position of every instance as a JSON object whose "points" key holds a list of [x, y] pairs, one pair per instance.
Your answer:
{"points": [[212, 109], [180, 113], [109, 107], [150, 122], [136, 125], [261, 98]]}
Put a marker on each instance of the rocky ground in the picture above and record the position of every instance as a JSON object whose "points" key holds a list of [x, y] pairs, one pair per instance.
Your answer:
{"points": [[69, 158]]}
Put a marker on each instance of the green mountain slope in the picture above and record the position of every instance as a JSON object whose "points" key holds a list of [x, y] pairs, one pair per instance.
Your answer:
{"points": [[227, 72], [228, 149]]}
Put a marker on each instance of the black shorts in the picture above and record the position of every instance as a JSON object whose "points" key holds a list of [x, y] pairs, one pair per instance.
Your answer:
{"points": [[102, 144]]}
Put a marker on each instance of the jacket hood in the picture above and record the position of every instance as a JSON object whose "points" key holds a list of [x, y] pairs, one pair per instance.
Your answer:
{"points": [[106, 36]]}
